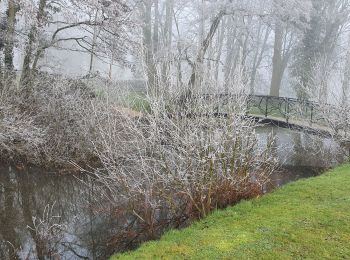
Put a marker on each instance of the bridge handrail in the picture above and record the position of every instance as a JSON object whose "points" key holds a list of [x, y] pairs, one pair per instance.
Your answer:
{"points": [[307, 109]]}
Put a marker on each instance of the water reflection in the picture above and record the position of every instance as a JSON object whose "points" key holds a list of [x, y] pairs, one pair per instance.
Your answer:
{"points": [[47, 216], [300, 155]]}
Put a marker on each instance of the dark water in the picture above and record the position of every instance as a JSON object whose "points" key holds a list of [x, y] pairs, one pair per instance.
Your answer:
{"points": [[51, 214], [45, 214], [300, 155]]}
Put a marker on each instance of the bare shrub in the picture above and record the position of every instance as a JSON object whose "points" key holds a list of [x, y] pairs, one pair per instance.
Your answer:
{"points": [[19, 134], [337, 117], [48, 127], [178, 162], [63, 107]]}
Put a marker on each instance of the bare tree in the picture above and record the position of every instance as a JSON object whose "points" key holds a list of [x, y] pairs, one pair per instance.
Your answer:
{"points": [[261, 49], [32, 37], [289, 17], [346, 81], [319, 42], [10, 35]]}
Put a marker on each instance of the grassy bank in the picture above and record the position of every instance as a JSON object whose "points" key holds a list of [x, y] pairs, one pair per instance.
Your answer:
{"points": [[306, 219]]}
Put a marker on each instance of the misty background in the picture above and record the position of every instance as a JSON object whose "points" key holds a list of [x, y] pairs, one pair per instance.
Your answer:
{"points": [[288, 48]]}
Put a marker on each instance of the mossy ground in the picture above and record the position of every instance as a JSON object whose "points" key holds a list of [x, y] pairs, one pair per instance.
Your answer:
{"points": [[308, 219]]}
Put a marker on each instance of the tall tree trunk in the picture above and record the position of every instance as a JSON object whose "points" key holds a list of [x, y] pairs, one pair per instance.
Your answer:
{"points": [[10, 36], [180, 54], [257, 60], [219, 52], [346, 81], [148, 46], [110, 73], [197, 66], [92, 52], [32, 38], [167, 39], [26, 73], [37, 56], [156, 27], [1, 77], [231, 39], [155, 49], [277, 73], [201, 22], [317, 47], [245, 51], [203, 49], [169, 22]]}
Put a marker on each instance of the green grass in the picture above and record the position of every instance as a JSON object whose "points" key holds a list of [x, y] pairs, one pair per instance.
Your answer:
{"points": [[138, 102], [308, 219]]}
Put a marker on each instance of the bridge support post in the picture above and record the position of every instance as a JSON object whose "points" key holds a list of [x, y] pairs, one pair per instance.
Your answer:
{"points": [[287, 111]]}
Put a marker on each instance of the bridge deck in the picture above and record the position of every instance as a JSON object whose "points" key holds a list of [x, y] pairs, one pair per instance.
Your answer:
{"points": [[285, 112], [293, 124]]}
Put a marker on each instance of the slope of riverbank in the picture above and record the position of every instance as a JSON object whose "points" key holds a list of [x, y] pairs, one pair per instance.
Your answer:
{"points": [[306, 219]]}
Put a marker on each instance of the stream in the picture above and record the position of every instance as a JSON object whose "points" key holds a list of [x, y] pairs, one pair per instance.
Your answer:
{"points": [[56, 215]]}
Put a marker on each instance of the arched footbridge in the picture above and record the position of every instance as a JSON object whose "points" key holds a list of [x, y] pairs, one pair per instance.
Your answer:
{"points": [[284, 112]]}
